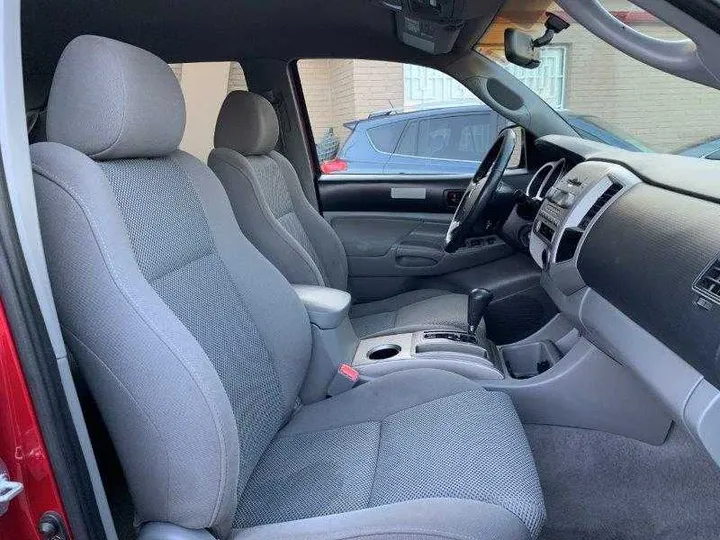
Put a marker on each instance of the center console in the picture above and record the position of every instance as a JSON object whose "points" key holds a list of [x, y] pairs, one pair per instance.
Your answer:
{"points": [[460, 352], [467, 353]]}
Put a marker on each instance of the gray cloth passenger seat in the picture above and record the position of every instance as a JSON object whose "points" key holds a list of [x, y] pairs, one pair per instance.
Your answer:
{"points": [[195, 349], [275, 215]]}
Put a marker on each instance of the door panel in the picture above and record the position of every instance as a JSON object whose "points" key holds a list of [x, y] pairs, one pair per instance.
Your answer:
{"points": [[389, 193], [387, 245], [393, 229], [402, 192]]}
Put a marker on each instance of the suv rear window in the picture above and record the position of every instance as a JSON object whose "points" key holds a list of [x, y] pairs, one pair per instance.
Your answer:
{"points": [[385, 138]]}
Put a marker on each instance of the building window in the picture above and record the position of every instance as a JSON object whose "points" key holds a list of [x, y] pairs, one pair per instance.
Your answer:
{"points": [[425, 85], [547, 80]]}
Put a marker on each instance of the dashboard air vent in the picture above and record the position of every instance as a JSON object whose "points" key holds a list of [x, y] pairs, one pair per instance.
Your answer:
{"points": [[708, 283], [609, 193]]}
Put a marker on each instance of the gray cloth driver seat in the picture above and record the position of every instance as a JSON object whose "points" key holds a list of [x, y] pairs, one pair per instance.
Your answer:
{"points": [[275, 215], [195, 349]]}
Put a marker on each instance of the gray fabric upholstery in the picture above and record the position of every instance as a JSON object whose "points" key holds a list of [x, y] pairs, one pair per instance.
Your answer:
{"points": [[176, 252], [203, 280], [273, 212], [424, 309], [423, 519], [451, 439], [247, 124], [195, 347], [138, 358], [111, 100], [326, 243]]}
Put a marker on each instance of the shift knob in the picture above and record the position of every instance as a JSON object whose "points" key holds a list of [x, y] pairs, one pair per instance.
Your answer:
{"points": [[478, 301]]}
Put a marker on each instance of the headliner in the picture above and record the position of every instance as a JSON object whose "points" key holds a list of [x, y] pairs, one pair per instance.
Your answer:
{"points": [[219, 30]]}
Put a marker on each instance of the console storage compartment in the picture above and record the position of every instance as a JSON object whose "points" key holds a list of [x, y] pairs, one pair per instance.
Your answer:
{"points": [[327, 308], [527, 360]]}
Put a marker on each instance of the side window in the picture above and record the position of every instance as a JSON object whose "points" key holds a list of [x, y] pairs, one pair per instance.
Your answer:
{"points": [[373, 117], [434, 138], [462, 138]]}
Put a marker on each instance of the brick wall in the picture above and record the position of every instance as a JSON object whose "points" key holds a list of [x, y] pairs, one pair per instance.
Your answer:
{"points": [[338, 91], [236, 78], [378, 86], [662, 110], [342, 90], [319, 93], [204, 86]]}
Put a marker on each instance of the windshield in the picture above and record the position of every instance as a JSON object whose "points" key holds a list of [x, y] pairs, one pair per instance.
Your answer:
{"points": [[606, 95]]}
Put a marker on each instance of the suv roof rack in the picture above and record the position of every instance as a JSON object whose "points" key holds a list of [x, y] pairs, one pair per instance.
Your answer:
{"points": [[414, 108]]}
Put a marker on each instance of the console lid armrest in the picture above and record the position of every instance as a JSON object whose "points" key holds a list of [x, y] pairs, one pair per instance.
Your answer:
{"points": [[326, 307]]}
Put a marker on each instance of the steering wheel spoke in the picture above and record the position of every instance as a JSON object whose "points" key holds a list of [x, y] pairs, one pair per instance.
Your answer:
{"points": [[480, 190]]}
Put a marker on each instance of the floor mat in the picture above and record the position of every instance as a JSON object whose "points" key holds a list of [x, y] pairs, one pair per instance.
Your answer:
{"points": [[606, 487]]}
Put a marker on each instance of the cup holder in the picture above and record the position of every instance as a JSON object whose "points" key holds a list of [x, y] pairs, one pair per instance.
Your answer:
{"points": [[530, 359], [383, 352]]}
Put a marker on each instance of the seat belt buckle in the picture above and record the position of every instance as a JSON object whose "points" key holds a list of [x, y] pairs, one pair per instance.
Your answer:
{"points": [[345, 378]]}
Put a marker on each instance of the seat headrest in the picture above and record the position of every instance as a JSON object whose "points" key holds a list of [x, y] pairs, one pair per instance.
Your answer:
{"points": [[111, 100], [247, 123]]}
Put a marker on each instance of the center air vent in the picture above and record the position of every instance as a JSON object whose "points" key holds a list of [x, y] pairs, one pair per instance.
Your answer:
{"points": [[609, 193], [708, 283]]}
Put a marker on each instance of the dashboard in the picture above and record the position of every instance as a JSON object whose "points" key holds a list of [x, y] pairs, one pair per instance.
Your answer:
{"points": [[570, 205], [629, 250]]}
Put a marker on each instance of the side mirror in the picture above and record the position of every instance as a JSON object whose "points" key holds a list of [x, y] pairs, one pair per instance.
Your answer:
{"points": [[520, 49]]}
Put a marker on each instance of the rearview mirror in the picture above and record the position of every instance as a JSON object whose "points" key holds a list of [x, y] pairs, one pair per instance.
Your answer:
{"points": [[520, 50]]}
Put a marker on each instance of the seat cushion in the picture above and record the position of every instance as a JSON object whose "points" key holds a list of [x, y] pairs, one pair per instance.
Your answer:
{"points": [[413, 435], [421, 519], [423, 309]]}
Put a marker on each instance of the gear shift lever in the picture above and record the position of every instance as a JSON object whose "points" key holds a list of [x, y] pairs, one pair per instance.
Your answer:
{"points": [[478, 302]]}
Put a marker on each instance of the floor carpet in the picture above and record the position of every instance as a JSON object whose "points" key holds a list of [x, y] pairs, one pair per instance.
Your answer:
{"points": [[599, 486]]}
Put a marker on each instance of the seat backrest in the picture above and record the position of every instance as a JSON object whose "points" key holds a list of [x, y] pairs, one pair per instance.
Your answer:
{"points": [[194, 346], [267, 197]]}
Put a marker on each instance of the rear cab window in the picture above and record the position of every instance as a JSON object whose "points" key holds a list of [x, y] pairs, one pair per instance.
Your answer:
{"points": [[379, 118]]}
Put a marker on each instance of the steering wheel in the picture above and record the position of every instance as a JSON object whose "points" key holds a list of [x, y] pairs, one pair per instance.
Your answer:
{"points": [[480, 191]]}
